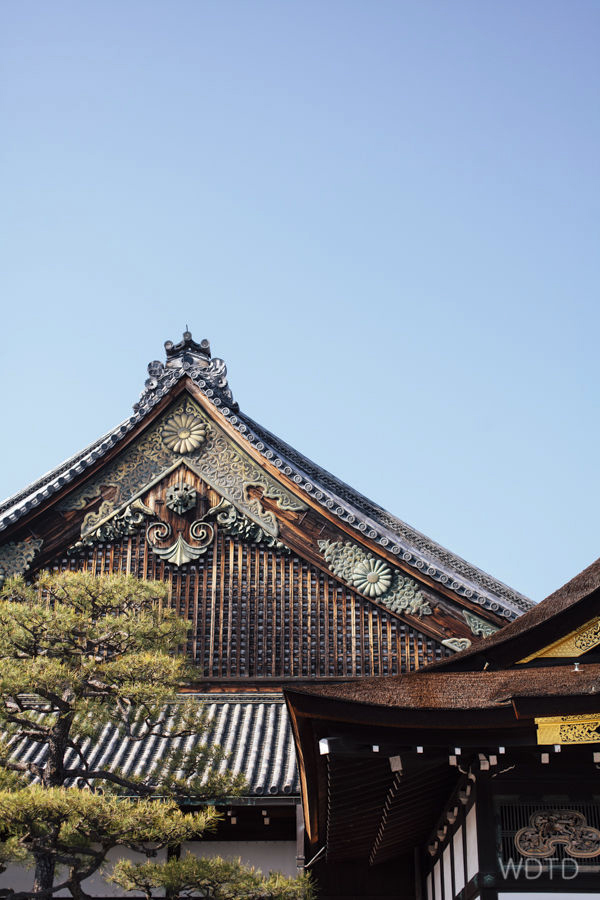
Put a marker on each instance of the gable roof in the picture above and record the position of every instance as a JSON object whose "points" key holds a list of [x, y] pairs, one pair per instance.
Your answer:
{"points": [[565, 609], [190, 360]]}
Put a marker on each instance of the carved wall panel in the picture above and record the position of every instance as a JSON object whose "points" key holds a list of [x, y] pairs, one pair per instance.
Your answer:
{"points": [[549, 829], [581, 729], [17, 556], [257, 612], [184, 432]]}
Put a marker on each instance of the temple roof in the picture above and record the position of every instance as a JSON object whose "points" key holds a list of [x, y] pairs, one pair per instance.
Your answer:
{"points": [[567, 608], [447, 691], [189, 359], [253, 729]]}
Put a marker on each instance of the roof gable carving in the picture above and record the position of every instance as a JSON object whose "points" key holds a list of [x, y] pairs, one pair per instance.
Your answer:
{"points": [[374, 578], [110, 524], [205, 448], [17, 556], [184, 432], [574, 644]]}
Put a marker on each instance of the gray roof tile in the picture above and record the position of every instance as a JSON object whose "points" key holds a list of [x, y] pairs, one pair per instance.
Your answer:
{"points": [[254, 729]]}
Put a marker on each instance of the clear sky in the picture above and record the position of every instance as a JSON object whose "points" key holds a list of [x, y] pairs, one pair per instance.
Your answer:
{"points": [[383, 215]]}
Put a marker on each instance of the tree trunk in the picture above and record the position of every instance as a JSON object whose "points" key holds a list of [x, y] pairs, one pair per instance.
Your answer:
{"points": [[53, 776], [44, 872]]}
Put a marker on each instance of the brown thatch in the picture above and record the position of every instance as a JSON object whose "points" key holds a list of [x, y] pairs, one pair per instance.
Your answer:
{"points": [[558, 614], [463, 690]]}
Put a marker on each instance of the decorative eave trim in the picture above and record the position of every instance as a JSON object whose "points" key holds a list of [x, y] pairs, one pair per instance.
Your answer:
{"points": [[573, 644], [581, 729]]}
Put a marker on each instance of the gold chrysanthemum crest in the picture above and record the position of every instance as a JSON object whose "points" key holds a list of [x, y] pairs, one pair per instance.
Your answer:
{"points": [[372, 577], [184, 432]]}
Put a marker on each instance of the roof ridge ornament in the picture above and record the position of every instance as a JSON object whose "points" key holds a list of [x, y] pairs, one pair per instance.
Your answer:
{"points": [[187, 357], [187, 349]]}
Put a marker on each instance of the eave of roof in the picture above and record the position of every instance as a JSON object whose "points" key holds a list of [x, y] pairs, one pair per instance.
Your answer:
{"points": [[253, 729], [564, 609], [339, 499], [448, 691]]}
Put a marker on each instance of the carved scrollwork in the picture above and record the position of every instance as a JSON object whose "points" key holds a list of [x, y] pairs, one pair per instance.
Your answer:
{"points": [[17, 556], [580, 732], [588, 638], [217, 460], [202, 532], [479, 626], [457, 644], [235, 524], [180, 551], [374, 577], [577, 729], [549, 829]]}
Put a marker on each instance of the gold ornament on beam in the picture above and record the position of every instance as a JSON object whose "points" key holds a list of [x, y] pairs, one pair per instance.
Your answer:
{"points": [[581, 729]]}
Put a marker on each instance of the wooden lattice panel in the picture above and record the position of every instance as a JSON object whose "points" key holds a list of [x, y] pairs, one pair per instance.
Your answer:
{"points": [[259, 613]]}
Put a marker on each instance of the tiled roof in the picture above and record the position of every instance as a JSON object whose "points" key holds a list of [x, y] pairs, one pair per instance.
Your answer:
{"points": [[253, 729], [209, 375]]}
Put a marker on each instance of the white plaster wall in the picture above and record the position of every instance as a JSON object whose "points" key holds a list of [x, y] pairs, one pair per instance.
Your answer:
{"points": [[459, 865], [437, 880], [472, 852], [268, 856], [448, 892]]}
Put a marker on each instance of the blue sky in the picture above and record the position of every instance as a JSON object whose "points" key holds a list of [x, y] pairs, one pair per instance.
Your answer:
{"points": [[384, 216]]}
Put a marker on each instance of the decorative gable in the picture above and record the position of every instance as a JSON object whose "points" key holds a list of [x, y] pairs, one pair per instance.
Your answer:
{"points": [[188, 471]]}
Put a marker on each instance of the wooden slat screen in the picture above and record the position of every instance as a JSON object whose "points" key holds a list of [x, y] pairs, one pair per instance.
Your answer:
{"points": [[258, 613]]}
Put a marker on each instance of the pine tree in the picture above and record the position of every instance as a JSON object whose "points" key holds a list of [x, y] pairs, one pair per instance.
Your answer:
{"points": [[78, 653]]}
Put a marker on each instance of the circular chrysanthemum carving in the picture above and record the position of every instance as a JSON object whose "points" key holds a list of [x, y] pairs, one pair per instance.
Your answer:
{"points": [[372, 577], [184, 432]]}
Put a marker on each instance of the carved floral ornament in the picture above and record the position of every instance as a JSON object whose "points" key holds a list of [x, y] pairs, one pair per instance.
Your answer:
{"points": [[374, 577], [216, 459], [549, 829], [184, 432], [181, 498]]}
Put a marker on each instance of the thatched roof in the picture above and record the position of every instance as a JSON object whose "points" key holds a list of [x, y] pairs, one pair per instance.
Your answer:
{"points": [[436, 690], [561, 612]]}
